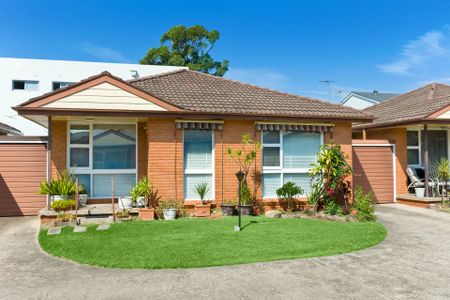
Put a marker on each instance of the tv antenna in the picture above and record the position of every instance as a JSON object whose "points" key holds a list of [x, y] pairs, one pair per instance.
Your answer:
{"points": [[328, 82]]}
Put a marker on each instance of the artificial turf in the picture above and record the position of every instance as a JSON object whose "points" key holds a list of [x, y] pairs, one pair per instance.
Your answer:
{"points": [[192, 243]]}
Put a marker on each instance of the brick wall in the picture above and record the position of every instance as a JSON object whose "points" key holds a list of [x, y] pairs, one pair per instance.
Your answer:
{"points": [[58, 147], [395, 136]]}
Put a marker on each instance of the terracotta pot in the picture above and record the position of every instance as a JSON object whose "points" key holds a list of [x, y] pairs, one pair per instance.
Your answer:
{"points": [[227, 209], [202, 210], [146, 214]]}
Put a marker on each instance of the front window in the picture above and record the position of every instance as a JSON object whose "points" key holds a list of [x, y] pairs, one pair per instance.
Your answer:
{"points": [[198, 162], [413, 147], [287, 156], [98, 152]]}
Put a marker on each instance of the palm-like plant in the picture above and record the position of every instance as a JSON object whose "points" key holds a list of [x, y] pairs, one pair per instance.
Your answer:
{"points": [[442, 168], [202, 189]]}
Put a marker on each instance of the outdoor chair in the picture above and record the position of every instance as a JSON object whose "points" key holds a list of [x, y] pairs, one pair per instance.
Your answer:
{"points": [[416, 182]]}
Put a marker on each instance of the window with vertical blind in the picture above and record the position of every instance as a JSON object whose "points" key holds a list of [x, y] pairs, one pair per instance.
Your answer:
{"points": [[287, 156], [99, 152], [198, 162]]}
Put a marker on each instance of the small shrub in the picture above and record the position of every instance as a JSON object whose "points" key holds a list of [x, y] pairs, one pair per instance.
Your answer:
{"points": [[202, 189], [65, 217], [246, 195], [315, 195], [168, 204], [287, 195], [122, 214], [363, 204], [63, 205], [333, 208]]}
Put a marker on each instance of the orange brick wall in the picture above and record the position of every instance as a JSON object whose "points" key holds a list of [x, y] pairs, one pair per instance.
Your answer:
{"points": [[160, 154], [342, 135], [395, 136], [58, 147]]}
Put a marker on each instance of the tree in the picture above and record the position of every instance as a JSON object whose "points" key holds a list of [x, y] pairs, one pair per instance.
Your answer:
{"points": [[188, 47]]}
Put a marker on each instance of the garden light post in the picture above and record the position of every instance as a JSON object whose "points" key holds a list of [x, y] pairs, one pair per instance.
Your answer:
{"points": [[240, 177]]}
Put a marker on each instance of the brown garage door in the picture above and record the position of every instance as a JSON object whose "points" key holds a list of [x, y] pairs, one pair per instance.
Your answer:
{"points": [[22, 168], [373, 170]]}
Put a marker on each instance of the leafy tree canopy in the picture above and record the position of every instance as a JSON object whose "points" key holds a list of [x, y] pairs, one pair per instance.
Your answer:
{"points": [[188, 47]]}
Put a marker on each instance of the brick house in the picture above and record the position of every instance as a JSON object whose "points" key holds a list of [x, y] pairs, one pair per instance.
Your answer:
{"points": [[176, 127], [418, 123]]}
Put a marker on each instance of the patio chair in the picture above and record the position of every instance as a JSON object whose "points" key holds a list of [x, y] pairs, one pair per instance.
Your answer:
{"points": [[416, 182]]}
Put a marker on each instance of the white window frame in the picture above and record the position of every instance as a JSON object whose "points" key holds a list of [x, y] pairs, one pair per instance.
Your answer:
{"points": [[90, 170], [281, 170], [25, 82], [200, 171], [418, 147]]}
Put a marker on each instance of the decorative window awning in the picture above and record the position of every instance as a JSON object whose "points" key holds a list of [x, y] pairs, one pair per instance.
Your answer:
{"points": [[294, 127], [199, 124]]}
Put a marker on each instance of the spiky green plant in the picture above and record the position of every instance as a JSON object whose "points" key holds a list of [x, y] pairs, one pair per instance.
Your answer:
{"points": [[442, 168], [202, 189]]}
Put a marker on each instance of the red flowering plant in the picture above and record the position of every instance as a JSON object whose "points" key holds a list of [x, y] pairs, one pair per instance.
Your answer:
{"points": [[330, 177]]}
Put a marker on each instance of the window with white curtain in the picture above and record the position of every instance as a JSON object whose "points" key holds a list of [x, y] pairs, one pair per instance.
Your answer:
{"points": [[198, 162], [287, 156], [99, 152]]}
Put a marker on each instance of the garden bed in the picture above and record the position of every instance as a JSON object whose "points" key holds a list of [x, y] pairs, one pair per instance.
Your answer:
{"points": [[191, 243]]}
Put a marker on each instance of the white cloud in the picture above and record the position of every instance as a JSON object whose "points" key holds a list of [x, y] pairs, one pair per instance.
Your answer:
{"points": [[261, 77], [417, 53], [104, 53]]}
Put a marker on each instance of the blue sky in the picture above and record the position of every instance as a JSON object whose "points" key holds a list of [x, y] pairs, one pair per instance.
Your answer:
{"points": [[391, 46]]}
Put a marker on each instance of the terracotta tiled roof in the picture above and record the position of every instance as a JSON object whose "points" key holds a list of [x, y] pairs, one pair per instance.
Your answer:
{"points": [[412, 106], [199, 92]]}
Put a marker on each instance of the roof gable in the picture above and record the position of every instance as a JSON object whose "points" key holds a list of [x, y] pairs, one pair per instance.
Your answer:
{"points": [[103, 91], [105, 96], [417, 105]]}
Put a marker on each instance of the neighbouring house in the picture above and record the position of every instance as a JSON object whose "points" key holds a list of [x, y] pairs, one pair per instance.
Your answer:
{"points": [[362, 100], [9, 130], [24, 78], [176, 127], [418, 124]]}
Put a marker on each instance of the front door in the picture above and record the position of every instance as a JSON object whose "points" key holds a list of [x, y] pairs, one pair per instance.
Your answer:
{"points": [[437, 146]]}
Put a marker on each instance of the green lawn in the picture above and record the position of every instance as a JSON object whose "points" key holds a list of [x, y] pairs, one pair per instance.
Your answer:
{"points": [[191, 243]]}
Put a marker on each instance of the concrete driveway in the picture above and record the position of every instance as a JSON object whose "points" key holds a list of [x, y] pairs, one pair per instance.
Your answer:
{"points": [[413, 262]]}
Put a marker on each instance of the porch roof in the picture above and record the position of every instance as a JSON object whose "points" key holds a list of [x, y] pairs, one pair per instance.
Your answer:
{"points": [[185, 92], [427, 104]]}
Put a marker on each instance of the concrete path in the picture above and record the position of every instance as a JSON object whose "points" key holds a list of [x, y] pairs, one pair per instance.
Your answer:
{"points": [[412, 263]]}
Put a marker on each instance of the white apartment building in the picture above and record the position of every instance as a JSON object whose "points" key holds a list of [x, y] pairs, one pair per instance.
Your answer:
{"points": [[22, 79]]}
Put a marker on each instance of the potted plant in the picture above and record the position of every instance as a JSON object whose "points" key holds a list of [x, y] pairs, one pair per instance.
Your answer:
{"points": [[228, 207], [125, 202], [123, 215], [82, 195], [169, 209], [247, 201], [203, 209], [136, 194], [60, 188], [145, 190], [245, 158]]}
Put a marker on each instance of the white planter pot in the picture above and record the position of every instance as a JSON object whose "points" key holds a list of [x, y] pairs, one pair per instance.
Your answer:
{"points": [[420, 192], [169, 213], [140, 202], [56, 198], [82, 199], [125, 202]]}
